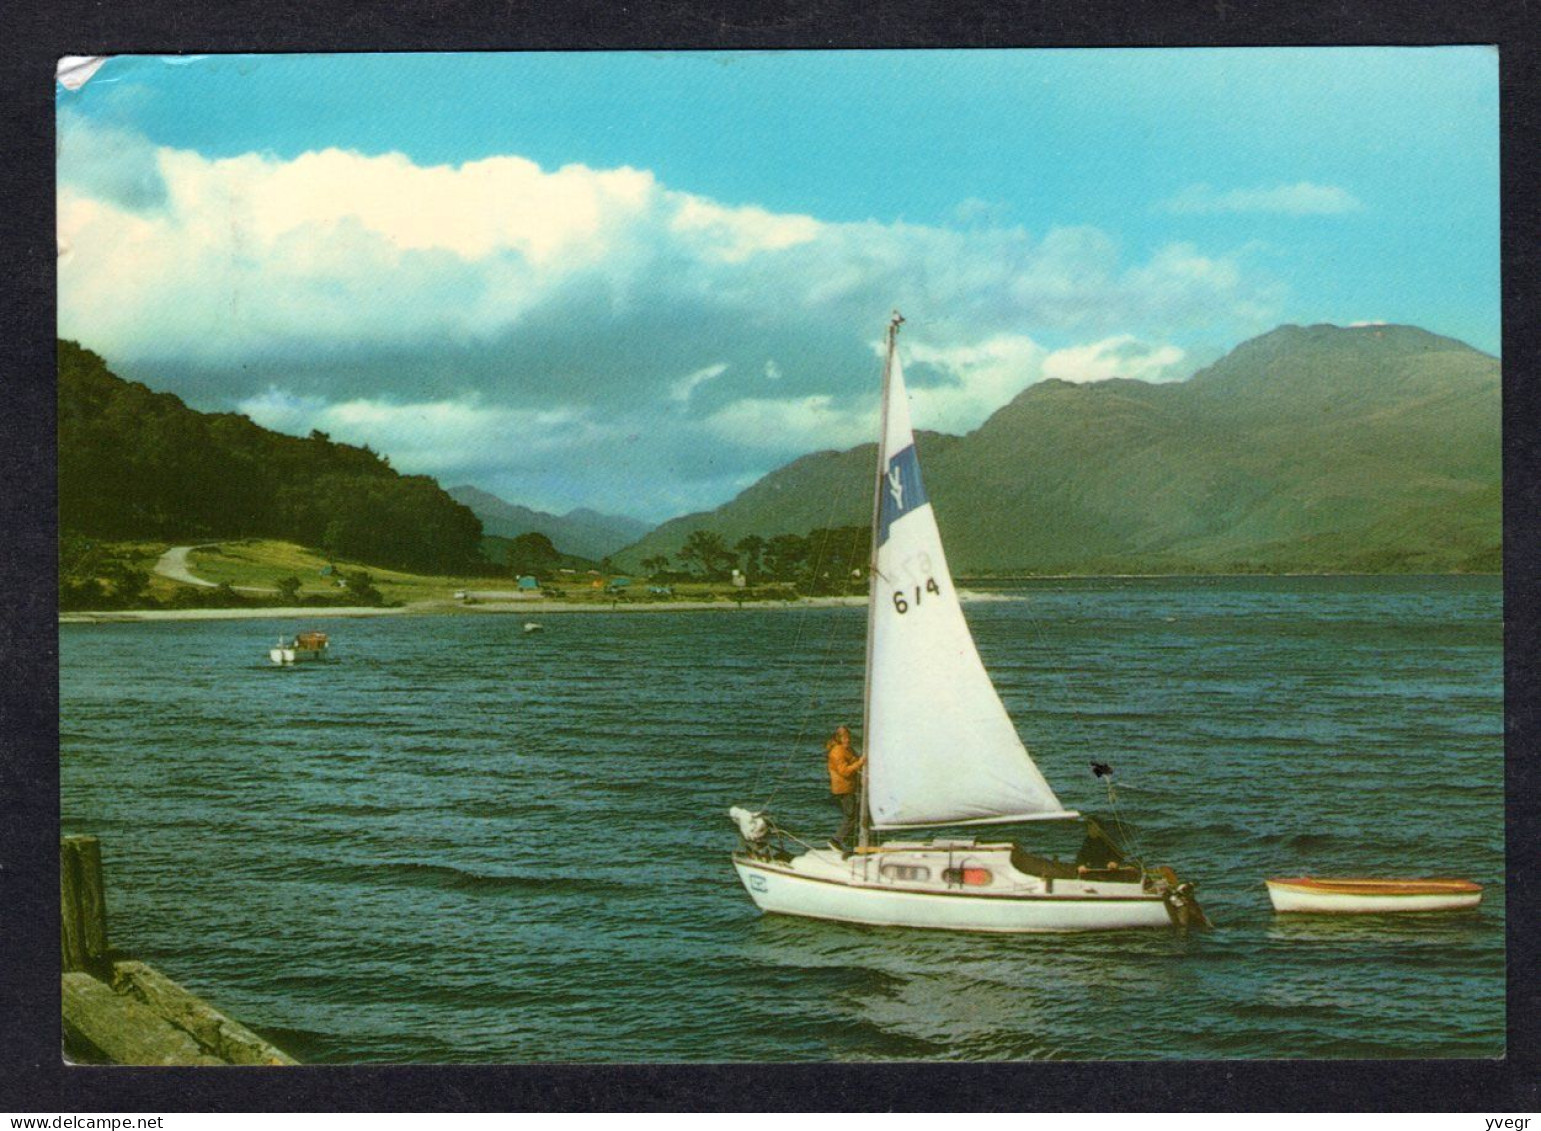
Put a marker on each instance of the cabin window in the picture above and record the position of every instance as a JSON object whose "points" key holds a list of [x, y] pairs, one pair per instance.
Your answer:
{"points": [[969, 877], [906, 872]]}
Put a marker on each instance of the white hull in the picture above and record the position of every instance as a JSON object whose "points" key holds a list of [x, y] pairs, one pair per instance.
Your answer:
{"points": [[1292, 897], [822, 885], [295, 655]]}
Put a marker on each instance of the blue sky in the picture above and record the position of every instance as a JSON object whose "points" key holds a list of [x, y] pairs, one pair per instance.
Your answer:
{"points": [[639, 281]]}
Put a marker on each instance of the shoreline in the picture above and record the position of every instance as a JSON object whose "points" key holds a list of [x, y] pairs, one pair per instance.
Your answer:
{"points": [[443, 608], [530, 606]]}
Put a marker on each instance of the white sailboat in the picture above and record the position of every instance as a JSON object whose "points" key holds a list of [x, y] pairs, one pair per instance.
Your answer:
{"points": [[942, 752]]}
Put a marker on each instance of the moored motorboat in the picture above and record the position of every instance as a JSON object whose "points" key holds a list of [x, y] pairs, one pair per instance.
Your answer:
{"points": [[1369, 896], [305, 647]]}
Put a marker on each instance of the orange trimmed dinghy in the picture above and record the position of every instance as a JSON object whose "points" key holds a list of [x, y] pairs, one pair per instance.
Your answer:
{"points": [[1362, 896]]}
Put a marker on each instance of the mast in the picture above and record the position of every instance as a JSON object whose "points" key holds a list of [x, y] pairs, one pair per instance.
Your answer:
{"points": [[872, 568]]}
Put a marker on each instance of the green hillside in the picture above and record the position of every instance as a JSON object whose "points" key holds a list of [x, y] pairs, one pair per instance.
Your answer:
{"points": [[135, 464], [1307, 449]]}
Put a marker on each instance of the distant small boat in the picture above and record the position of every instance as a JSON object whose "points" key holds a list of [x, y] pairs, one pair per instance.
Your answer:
{"points": [[1364, 896], [531, 626], [305, 647]]}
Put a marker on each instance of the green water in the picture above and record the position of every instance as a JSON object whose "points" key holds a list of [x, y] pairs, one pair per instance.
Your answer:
{"points": [[464, 843]]}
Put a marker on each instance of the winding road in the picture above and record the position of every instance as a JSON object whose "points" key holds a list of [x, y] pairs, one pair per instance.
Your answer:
{"points": [[173, 564]]}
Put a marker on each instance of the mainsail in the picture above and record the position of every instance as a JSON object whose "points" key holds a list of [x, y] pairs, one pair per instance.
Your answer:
{"points": [[941, 749]]}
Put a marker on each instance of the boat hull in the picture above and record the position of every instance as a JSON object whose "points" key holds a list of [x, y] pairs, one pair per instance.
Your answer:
{"points": [[1371, 897], [781, 889], [296, 655]]}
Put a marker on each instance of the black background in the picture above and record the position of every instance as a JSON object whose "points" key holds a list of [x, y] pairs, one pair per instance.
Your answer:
{"points": [[33, 34]]}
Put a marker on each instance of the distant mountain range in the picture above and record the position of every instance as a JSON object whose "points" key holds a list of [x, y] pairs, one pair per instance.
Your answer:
{"points": [[1320, 448], [582, 532]]}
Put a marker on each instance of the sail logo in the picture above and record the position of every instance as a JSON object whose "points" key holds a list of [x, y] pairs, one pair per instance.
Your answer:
{"points": [[902, 491]]}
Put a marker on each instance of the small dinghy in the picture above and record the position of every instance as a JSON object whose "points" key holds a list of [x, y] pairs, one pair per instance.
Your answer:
{"points": [[1363, 896], [531, 626]]}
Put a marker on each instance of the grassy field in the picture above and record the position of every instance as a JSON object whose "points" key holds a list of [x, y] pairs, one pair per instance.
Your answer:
{"points": [[253, 567], [262, 563]]}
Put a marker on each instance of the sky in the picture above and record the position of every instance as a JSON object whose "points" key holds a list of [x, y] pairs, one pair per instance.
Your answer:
{"points": [[638, 282]]}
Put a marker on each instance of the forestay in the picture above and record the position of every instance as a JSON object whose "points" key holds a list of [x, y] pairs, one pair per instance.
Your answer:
{"points": [[941, 748]]}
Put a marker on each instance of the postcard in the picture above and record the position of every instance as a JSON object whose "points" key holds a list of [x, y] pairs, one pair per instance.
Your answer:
{"points": [[787, 556]]}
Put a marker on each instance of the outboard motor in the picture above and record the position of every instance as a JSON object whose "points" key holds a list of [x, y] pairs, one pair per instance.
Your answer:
{"points": [[1181, 904], [761, 838]]}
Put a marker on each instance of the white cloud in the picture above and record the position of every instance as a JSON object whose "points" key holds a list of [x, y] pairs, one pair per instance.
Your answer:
{"points": [[980, 378], [952, 388], [682, 389], [473, 210], [793, 425], [478, 315], [432, 437], [1300, 199], [732, 235], [168, 253], [1120, 356]]}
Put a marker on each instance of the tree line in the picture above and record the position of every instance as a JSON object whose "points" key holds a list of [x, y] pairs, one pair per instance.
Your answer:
{"points": [[824, 561], [138, 464]]}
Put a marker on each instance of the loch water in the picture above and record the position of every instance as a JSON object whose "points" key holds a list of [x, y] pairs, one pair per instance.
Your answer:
{"points": [[461, 842]]}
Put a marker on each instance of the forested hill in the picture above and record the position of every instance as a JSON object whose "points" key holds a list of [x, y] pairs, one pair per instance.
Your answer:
{"points": [[1310, 448], [139, 464]]}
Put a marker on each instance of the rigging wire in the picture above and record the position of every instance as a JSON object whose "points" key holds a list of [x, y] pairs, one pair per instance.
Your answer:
{"points": [[1126, 834], [1068, 696], [837, 501]]}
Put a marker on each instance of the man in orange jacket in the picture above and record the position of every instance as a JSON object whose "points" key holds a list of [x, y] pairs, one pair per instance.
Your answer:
{"points": [[844, 782]]}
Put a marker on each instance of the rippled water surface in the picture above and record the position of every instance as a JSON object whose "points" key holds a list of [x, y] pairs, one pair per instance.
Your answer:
{"points": [[461, 842]]}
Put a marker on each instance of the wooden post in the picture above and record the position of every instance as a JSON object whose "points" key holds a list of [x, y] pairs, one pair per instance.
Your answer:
{"points": [[72, 951], [82, 906], [125, 1012], [93, 902]]}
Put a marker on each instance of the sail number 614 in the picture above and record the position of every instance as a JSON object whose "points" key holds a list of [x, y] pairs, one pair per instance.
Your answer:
{"points": [[902, 599]]}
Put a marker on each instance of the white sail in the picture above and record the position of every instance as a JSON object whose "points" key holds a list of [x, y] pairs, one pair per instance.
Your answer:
{"points": [[940, 746]]}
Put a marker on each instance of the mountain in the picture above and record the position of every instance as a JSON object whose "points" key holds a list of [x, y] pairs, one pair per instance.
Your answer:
{"points": [[582, 532], [139, 464], [1320, 448]]}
